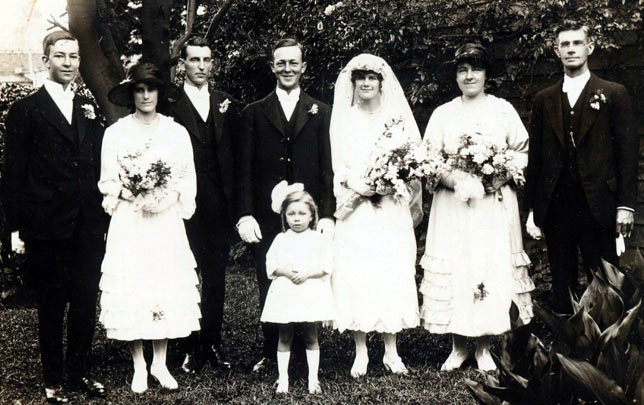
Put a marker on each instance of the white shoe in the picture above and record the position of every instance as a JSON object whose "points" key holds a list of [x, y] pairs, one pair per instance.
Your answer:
{"points": [[394, 364], [140, 381], [314, 387], [163, 376], [359, 368], [454, 361], [484, 360]]}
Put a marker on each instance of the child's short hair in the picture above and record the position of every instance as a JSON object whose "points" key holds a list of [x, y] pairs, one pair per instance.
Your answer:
{"points": [[306, 199]]}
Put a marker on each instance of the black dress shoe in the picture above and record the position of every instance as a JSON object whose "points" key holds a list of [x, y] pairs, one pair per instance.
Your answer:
{"points": [[217, 359], [56, 395], [91, 388]]}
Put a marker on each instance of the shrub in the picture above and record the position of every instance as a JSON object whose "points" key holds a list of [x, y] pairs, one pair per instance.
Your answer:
{"points": [[597, 354]]}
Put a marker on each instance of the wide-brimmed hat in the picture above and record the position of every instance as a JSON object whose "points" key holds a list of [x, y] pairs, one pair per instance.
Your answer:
{"points": [[144, 72]]}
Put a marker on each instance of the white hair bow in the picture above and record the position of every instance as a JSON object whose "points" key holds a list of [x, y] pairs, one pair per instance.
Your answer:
{"points": [[280, 192]]}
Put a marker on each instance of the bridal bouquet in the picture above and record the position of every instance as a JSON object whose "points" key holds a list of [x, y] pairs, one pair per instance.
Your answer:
{"points": [[397, 160], [144, 176], [484, 160]]}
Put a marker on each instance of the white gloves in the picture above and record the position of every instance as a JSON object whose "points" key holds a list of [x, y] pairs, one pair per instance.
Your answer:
{"points": [[248, 229], [468, 188], [531, 228], [326, 226]]}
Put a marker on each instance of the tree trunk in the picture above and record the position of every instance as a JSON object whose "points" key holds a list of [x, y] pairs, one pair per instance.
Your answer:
{"points": [[155, 30], [98, 73]]}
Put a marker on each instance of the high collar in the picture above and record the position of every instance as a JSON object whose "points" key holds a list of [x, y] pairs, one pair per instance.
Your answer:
{"points": [[193, 91], [572, 84], [57, 92], [283, 96]]}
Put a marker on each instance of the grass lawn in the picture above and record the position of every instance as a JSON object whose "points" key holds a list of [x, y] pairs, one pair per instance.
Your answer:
{"points": [[421, 351]]}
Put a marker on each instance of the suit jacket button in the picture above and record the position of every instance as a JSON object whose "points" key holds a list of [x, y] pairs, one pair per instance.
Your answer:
{"points": [[75, 163], [281, 159]]}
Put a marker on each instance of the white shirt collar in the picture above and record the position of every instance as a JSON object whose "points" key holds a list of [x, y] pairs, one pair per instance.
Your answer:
{"points": [[63, 98], [574, 84], [283, 96], [194, 91], [56, 90]]}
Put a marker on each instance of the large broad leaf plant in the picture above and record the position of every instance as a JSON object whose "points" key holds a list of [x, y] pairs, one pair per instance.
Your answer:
{"points": [[597, 355]]}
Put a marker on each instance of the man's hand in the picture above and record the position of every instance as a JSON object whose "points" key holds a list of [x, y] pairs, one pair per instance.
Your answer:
{"points": [[17, 245], [625, 220], [248, 229], [326, 226], [531, 228]]}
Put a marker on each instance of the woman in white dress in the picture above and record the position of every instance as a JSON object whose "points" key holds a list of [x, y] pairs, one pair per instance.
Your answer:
{"points": [[375, 248], [474, 262], [149, 285]]}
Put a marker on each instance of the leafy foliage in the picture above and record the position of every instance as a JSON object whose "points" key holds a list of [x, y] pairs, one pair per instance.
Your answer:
{"points": [[597, 354], [415, 37]]}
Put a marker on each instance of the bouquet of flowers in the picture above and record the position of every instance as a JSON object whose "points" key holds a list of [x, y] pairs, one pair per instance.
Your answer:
{"points": [[397, 160], [483, 159], [144, 176]]}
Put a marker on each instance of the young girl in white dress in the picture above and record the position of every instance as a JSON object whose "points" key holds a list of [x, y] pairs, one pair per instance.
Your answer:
{"points": [[148, 284], [298, 262]]}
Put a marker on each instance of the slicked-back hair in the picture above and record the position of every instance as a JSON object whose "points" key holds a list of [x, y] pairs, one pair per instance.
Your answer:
{"points": [[193, 40], [574, 25], [53, 37], [284, 42]]}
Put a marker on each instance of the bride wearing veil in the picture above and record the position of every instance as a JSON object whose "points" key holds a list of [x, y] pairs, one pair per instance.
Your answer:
{"points": [[375, 247]]}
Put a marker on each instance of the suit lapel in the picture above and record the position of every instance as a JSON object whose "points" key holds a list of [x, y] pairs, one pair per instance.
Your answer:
{"points": [[271, 108], [301, 112], [79, 118], [589, 114], [184, 111], [554, 110], [216, 116], [52, 113]]}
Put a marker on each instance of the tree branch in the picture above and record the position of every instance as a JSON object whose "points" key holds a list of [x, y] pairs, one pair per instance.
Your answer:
{"points": [[56, 24], [176, 46], [218, 17]]}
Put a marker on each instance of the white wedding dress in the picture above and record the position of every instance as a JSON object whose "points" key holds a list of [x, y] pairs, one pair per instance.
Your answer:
{"points": [[375, 248], [148, 284]]}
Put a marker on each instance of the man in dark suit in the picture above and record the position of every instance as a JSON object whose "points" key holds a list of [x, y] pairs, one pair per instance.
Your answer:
{"points": [[284, 136], [582, 168], [210, 117], [50, 195]]}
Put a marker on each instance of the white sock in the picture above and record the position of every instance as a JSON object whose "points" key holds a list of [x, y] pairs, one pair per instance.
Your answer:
{"points": [[313, 360], [282, 365]]}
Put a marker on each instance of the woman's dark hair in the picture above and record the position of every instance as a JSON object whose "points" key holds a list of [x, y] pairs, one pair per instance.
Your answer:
{"points": [[361, 74]]}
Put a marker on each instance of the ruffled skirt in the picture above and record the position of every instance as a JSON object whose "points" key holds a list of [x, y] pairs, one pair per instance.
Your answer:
{"points": [[374, 269], [475, 266], [148, 283]]}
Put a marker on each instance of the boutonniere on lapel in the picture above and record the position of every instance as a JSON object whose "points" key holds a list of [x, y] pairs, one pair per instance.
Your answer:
{"points": [[314, 109], [597, 99], [223, 106], [88, 111]]}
